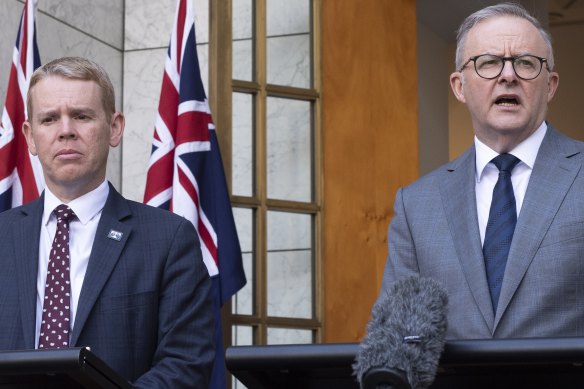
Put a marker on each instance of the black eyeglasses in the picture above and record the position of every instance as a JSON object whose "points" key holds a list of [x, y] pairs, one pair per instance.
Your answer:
{"points": [[527, 67]]}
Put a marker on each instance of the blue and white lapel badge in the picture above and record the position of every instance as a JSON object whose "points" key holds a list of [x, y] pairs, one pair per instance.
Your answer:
{"points": [[115, 235]]}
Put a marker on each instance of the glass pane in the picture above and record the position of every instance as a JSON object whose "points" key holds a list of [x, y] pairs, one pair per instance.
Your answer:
{"points": [[287, 17], [289, 336], [289, 59], [241, 335], [242, 60], [289, 149], [242, 144], [242, 39], [243, 300], [289, 267]]}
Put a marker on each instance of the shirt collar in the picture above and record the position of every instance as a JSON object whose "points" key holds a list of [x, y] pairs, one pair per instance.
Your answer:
{"points": [[85, 207], [526, 151]]}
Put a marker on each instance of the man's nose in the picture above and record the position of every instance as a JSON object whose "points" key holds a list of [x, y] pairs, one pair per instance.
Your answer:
{"points": [[508, 72], [67, 130]]}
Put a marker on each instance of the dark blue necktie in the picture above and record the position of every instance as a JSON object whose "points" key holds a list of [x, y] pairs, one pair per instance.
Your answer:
{"points": [[500, 227]]}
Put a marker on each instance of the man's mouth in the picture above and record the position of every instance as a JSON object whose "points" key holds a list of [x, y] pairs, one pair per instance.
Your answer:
{"points": [[67, 154], [507, 101]]}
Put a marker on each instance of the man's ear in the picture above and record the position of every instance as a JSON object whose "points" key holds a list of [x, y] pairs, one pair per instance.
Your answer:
{"points": [[456, 83], [27, 131], [553, 82], [117, 129]]}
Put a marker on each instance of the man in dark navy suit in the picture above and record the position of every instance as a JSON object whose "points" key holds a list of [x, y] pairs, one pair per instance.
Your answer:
{"points": [[135, 289]]}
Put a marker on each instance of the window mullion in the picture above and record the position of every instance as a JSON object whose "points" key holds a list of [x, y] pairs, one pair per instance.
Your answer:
{"points": [[259, 69]]}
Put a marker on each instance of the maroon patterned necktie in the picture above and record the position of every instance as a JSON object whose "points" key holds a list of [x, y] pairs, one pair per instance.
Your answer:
{"points": [[56, 307]]}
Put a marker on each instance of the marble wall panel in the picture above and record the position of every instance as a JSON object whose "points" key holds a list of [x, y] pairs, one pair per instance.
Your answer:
{"points": [[143, 72], [149, 23], [102, 19], [57, 37], [10, 12]]}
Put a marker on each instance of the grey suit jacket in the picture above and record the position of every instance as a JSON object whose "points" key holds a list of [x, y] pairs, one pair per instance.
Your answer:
{"points": [[435, 233], [144, 306]]}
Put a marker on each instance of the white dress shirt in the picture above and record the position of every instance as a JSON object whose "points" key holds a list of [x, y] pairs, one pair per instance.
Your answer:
{"points": [[82, 231], [487, 173]]}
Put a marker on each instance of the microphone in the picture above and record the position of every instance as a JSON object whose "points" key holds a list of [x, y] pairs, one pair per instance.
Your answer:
{"points": [[405, 336]]}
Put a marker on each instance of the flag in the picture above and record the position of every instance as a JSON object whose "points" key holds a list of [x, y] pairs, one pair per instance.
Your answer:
{"points": [[185, 173], [21, 178]]}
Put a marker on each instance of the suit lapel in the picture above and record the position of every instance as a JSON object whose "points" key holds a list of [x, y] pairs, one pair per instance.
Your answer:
{"points": [[553, 174], [26, 253], [105, 254], [459, 199]]}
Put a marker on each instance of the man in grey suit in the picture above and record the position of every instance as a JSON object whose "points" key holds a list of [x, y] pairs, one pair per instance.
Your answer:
{"points": [[443, 224], [133, 284]]}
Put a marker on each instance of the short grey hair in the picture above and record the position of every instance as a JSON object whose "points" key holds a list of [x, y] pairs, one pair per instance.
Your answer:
{"points": [[503, 9]]}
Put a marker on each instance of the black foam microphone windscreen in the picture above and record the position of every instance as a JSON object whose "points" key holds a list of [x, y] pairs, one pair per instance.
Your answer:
{"points": [[406, 332]]}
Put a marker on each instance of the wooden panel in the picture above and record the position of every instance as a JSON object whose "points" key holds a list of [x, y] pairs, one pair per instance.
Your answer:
{"points": [[370, 148]]}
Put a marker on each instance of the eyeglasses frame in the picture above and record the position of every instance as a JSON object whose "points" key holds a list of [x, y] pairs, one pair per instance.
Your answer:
{"points": [[505, 59]]}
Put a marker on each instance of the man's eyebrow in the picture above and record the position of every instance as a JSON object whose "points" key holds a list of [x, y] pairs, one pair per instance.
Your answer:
{"points": [[80, 108], [49, 112], [85, 110]]}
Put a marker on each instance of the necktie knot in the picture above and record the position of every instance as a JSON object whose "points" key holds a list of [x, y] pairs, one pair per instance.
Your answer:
{"points": [[64, 213], [505, 162]]}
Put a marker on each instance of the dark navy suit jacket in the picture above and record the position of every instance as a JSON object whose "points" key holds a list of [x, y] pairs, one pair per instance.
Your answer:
{"points": [[145, 305]]}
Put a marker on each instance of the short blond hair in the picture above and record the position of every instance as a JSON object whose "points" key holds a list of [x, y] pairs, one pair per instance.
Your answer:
{"points": [[76, 68]]}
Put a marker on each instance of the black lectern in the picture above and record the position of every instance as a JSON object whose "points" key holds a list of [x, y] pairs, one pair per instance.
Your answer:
{"points": [[63, 368], [488, 363]]}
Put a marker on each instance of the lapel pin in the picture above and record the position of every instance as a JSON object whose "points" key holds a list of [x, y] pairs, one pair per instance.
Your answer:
{"points": [[115, 235]]}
